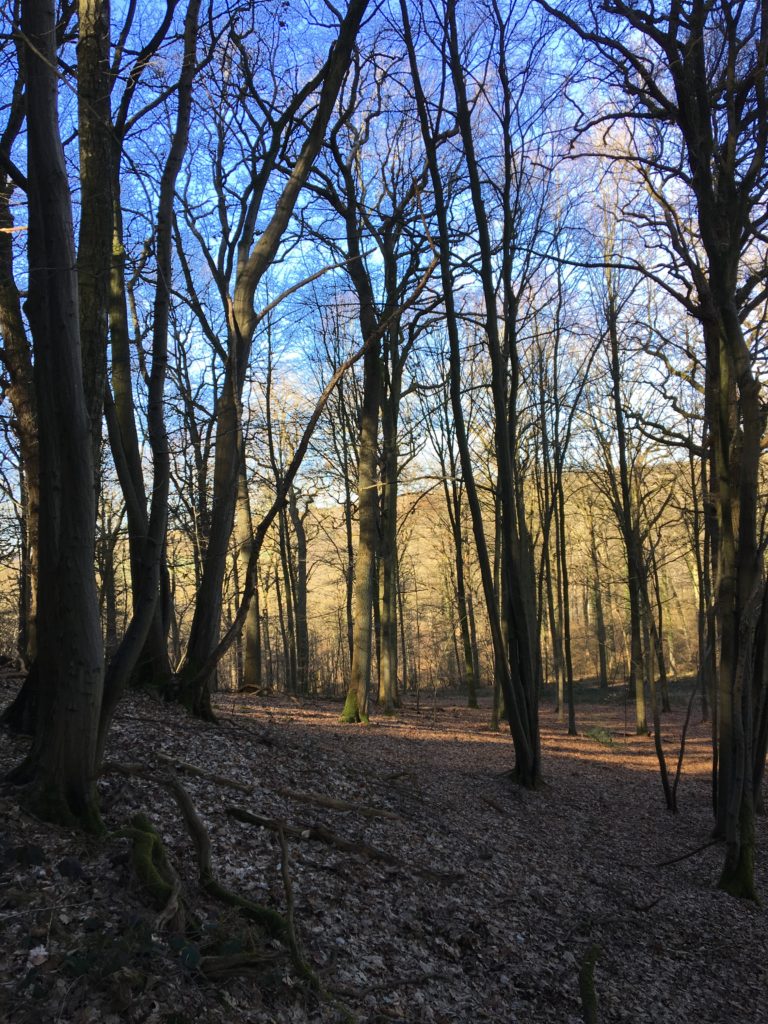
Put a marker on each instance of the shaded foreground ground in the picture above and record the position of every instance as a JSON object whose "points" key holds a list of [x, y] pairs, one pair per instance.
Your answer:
{"points": [[485, 911]]}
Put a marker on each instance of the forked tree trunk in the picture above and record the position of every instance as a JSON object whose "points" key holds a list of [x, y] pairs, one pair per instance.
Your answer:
{"points": [[194, 679], [60, 768]]}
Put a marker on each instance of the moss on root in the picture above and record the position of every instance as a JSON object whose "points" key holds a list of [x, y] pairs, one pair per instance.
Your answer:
{"points": [[149, 860], [270, 920]]}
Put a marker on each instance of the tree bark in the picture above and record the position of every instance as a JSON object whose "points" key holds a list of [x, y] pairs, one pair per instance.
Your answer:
{"points": [[60, 768]]}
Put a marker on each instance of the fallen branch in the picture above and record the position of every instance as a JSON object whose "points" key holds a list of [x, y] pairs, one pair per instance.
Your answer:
{"points": [[337, 805], [321, 834]]}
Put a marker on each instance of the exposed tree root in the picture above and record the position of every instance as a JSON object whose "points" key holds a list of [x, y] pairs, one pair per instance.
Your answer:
{"points": [[272, 922], [163, 884], [337, 805], [321, 834], [155, 873], [220, 968], [199, 773], [690, 853], [293, 943]]}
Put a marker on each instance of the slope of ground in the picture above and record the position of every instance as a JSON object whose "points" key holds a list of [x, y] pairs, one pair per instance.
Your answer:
{"points": [[433, 891]]}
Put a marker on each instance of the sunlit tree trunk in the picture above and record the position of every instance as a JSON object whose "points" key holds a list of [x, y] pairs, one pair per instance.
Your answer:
{"points": [[251, 655], [388, 574], [300, 592], [356, 704], [600, 630]]}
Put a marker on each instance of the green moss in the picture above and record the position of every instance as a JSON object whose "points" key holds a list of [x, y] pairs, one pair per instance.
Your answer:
{"points": [[601, 735], [149, 860], [270, 920], [351, 712]]}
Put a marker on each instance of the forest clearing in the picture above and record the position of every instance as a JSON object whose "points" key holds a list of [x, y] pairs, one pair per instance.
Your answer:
{"points": [[491, 900]]}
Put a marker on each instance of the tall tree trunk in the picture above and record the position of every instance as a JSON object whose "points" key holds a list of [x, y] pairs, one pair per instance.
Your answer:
{"points": [[20, 715], [473, 639], [289, 592], [59, 771], [356, 704], [388, 567], [300, 593], [251, 655], [153, 568], [515, 673], [95, 241], [600, 630], [566, 600], [658, 632], [452, 493], [626, 513]]}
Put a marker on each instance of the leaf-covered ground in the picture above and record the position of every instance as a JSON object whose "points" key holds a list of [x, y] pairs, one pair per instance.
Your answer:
{"points": [[434, 890]]}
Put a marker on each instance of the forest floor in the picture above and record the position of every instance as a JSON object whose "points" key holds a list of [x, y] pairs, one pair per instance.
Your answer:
{"points": [[466, 900]]}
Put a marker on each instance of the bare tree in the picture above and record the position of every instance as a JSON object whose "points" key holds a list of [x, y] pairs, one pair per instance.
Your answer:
{"points": [[695, 76]]}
